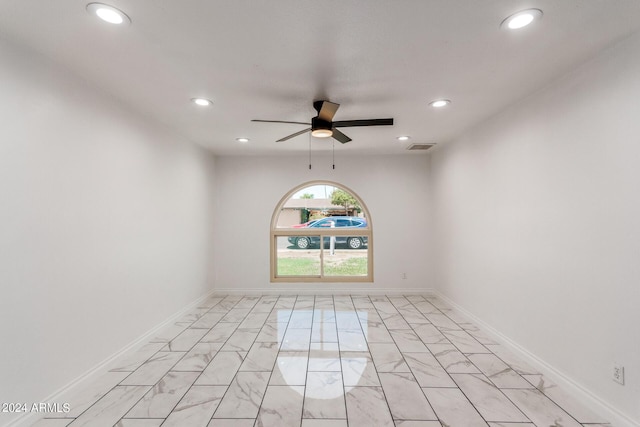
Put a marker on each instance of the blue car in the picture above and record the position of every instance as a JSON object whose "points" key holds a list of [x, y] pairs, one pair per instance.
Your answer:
{"points": [[352, 242]]}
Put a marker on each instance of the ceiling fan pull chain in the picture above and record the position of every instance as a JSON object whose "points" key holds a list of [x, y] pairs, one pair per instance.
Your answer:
{"points": [[333, 154], [309, 151]]}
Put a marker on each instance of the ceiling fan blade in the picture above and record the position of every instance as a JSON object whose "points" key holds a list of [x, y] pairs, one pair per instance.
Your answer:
{"points": [[326, 110], [280, 121], [340, 136], [368, 122], [293, 135]]}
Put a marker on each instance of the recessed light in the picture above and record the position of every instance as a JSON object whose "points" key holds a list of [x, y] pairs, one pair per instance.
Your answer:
{"points": [[439, 103], [108, 13], [242, 139], [203, 102], [403, 138], [521, 19]]}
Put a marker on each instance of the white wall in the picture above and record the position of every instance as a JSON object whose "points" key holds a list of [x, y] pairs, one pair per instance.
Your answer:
{"points": [[393, 188], [105, 225], [536, 219]]}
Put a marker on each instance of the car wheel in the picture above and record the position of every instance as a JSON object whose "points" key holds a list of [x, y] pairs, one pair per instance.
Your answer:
{"points": [[303, 242], [354, 243]]}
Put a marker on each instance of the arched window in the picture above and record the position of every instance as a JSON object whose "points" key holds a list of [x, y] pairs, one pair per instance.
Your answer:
{"points": [[321, 232]]}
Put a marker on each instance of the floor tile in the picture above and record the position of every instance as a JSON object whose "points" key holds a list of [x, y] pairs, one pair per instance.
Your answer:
{"points": [[235, 315], [465, 342], [408, 342], [429, 334], [187, 339], [296, 339], [254, 320], [347, 320], [453, 408], [427, 370], [308, 422], [498, 372], [240, 422], [135, 360], [90, 393], [111, 407], [358, 369], [492, 404], [220, 332], [405, 398], [387, 358], [394, 321], [352, 340], [244, 396], [517, 364], [290, 368], [147, 422], [367, 407], [281, 406], [272, 332], [563, 399], [222, 368], [301, 319], [163, 397], [452, 360], [52, 422], [280, 315], [261, 357], [324, 357], [324, 396], [208, 320], [198, 357], [241, 340], [407, 423], [511, 425], [539, 408], [442, 321], [324, 332], [153, 369], [196, 407], [323, 361]]}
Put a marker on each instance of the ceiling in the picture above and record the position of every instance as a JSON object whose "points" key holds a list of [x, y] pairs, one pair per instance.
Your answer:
{"points": [[270, 59]]}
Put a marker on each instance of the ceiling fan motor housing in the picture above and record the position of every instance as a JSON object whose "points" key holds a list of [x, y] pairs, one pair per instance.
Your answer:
{"points": [[318, 123]]}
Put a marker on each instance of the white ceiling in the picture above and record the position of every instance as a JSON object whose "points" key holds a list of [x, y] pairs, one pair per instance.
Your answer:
{"points": [[270, 59]]}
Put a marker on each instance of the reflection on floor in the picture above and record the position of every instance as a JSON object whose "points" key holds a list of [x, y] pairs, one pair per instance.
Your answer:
{"points": [[323, 361]]}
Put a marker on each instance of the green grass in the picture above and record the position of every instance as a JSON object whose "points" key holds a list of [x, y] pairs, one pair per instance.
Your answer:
{"points": [[347, 267], [311, 267], [298, 267]]}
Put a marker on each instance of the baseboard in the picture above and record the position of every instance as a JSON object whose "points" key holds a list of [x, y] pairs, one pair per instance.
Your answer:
{"points": [[29, 418], [322, 291], [586, 396]]}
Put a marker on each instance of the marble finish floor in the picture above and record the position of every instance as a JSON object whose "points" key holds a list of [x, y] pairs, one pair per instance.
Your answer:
{"points": [[323, 361]]}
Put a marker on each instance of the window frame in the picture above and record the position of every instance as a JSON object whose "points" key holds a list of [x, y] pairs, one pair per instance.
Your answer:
{"points": [[276, 232]]}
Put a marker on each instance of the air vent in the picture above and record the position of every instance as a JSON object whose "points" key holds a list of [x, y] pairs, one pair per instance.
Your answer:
{"points": [[420, 146]]}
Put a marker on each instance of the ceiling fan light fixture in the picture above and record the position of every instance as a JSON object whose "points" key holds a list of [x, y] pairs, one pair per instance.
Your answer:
{"points": [[322, 133], [521, 19], [108, 13]]}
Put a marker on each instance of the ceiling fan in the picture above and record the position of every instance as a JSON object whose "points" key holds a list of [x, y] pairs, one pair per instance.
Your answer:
{"points": [[323, 126]]}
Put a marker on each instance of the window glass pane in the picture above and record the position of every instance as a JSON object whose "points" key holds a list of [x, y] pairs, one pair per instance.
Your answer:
{"points": [[349, 256], [324, 203], [296, 256]]}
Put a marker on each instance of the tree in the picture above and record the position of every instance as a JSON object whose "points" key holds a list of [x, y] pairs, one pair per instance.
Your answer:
{"points": [[342, 198], [307, 196]]}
